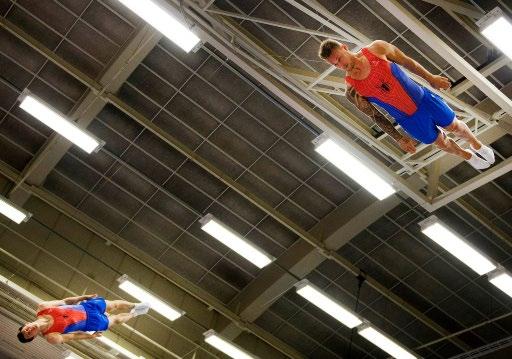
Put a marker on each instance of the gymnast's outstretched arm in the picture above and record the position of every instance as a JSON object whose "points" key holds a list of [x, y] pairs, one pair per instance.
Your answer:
{"points": [[57, 338], [65, 301], [396, 55]]}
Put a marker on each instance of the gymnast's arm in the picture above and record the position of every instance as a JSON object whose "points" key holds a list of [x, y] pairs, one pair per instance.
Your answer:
{"points": [[65, 301], [57, 338], [369, 110], [396, 55], [405, 142]]}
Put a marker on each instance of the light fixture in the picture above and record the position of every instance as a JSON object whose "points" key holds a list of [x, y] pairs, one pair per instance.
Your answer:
{"points": [[380, 340], [317, 297], [12, 211], [118, 348], [71, 355], [58, 122], [353, 167], [497, 28], [135, 290], [502, 280], [237, 243], [161, 19], [458, 247], [225, 346]]}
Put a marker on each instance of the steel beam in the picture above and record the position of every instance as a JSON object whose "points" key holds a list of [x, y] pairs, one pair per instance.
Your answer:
{"points": [[433, 180], [344, 29], [465, 330], [487, 349], [470, 185], [485, 71], [458, 7], [278, 24], [84, 113], [310, 76], [322, 76], [448, 53]]}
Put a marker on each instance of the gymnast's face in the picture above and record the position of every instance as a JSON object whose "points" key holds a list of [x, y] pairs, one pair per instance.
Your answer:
{"points": [[342, 58], [30, 330]]}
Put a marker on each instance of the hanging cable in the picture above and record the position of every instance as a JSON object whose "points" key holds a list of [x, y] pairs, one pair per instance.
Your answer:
{"points": [[361, 278]]}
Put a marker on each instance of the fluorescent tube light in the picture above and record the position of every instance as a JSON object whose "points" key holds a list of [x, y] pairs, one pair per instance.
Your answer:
{"points": [[497, 28], [328, 305], [58, 122], [71, 355], [118, 348], [385, 343], [231, 239], [225, 346], [501, 279], [457, 246], [353, 167], [162, 20], [135, 290], [13, 212]]}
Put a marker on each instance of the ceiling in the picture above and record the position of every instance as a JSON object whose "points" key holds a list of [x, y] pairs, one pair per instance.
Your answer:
{"points": [[227, 129]]}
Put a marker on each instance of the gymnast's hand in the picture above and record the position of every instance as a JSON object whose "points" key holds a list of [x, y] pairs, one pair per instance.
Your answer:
{"points": [[440, 82], [407, 144]]}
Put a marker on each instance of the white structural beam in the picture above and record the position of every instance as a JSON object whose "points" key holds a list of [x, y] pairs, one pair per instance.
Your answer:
{"points": [[84, 113], [458, 6], [315, 8], [322, 76], [318, 12], [473, 29], [310, 76], [278, 24], [447, 53], [495, 65], [472, 184]]}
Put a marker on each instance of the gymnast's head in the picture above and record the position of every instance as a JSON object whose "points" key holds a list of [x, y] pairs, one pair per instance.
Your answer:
{"points": [[337, 54], [28, 332]]}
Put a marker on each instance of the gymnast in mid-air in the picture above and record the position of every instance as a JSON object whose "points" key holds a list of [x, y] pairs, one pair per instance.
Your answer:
{"points": [[373, 76], [61, 321]]}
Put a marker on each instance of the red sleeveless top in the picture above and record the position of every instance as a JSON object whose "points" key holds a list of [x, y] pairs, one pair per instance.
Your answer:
{"points": [[63, 317], [388, 86]]}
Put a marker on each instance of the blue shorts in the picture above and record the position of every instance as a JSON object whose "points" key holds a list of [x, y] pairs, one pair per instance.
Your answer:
{"points": [[96, 317], [431, 113]]}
